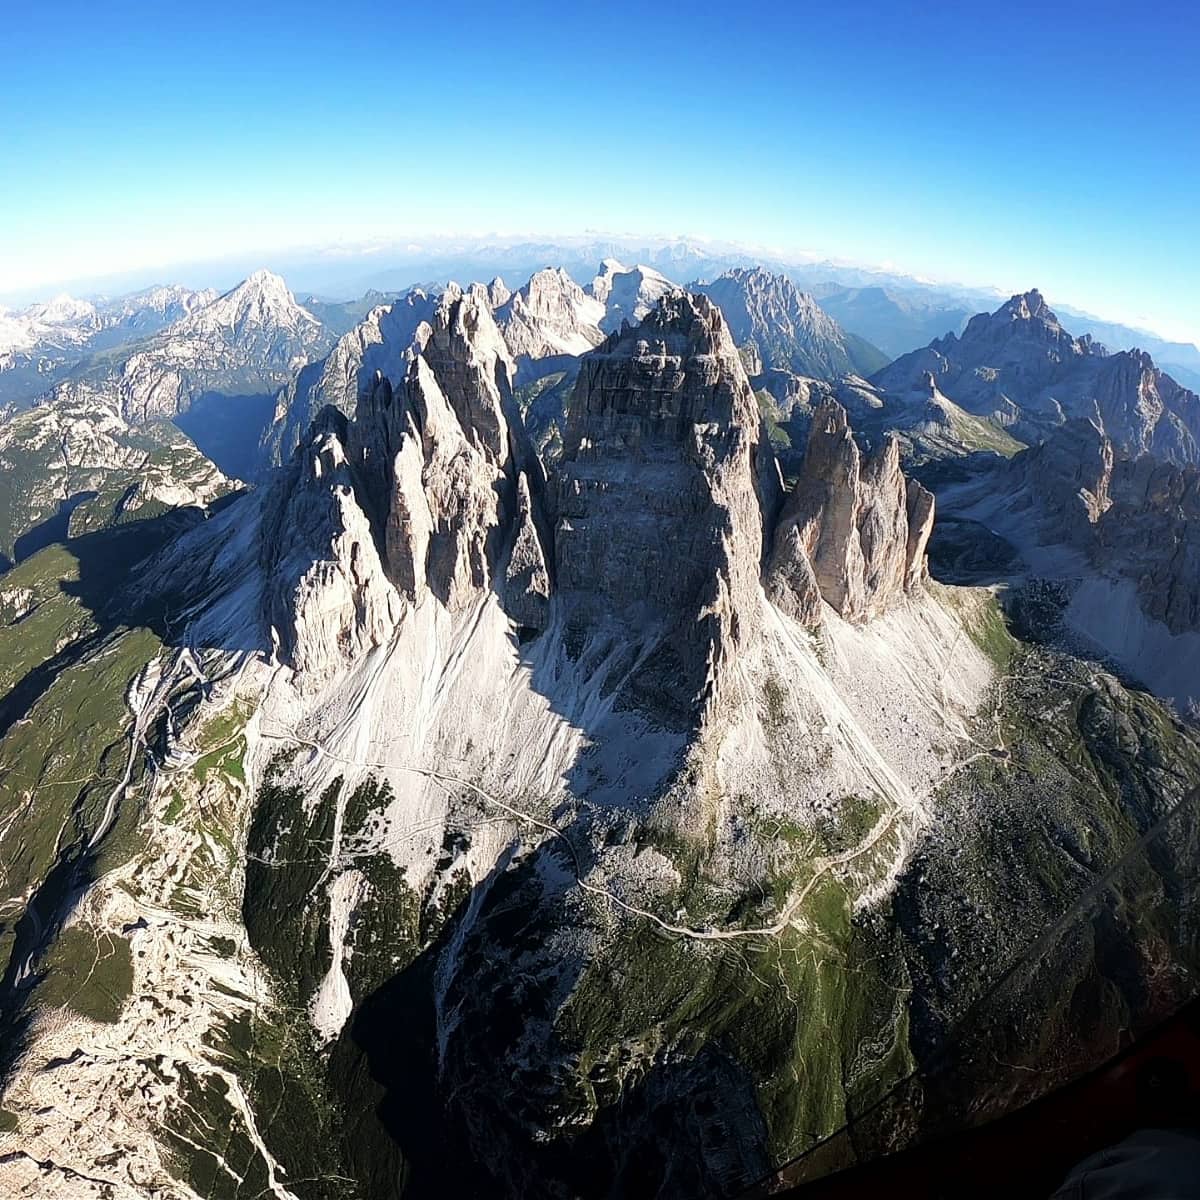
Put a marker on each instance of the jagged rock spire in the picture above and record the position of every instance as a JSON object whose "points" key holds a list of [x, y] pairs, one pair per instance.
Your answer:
{"points": [[329, 601], [656, 525], [432, 488], [852, 532]]}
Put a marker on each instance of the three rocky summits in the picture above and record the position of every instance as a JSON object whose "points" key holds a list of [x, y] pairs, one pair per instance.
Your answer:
{"points": [[663, 512]]}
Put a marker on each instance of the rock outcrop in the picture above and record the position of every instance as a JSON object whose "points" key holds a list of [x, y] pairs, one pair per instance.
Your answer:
{"points": [[1150, 532], [498, 292], [380, 342], [330, 601], [1138, 518], [852, 532], [431, 488], [656, 522], [459, 392]]}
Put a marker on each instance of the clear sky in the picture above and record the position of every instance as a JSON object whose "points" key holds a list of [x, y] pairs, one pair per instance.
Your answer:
{"points": [[1006, 144]]}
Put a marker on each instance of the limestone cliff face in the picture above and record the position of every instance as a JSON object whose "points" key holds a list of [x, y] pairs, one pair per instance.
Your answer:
{"points": [[330, 601], [659, 519], [1151, 530], [459, 393], [853, 532]]}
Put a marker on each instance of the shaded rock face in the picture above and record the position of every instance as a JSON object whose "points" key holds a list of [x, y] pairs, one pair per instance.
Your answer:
{"points": [[659, 517], [1072, 472], [786, 327], [1136, 517], [1151, 531], [330, 601], [527, 575], [853, 532], [1021, 369]]}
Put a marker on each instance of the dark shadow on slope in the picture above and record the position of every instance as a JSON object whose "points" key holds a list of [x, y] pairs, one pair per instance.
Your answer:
{"points": [[230, 430], [52, 529], [107, 561], [993, 1059], [388, 1059], [967, 552], [39, 923], [466, 1113]]}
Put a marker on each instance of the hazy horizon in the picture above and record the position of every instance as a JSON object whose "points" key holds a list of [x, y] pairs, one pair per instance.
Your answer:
{"points": [[1009, 153], [317, 270]]}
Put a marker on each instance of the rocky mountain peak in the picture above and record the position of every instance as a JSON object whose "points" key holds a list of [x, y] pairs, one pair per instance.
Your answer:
{"points": [[498, 292], [786, 327], [1071, 470], [261, 300], [469, 362], [166, 303], [683, 344], [601, 285], [62, 309], [437, 473], [1020, 369], [329, 600], [551, 315], [628, 293], [1027, 318], [655, 522], [1029, 306], [249, 342], [381, 342]]}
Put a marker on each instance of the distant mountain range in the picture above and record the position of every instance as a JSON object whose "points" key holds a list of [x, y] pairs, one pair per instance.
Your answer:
{"points": [[911, 312], [787, 328]]}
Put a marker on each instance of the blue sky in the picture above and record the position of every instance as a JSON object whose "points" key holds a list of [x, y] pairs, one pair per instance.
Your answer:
{"points": [[1006, 144]]}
